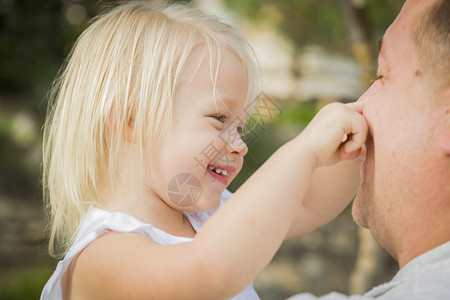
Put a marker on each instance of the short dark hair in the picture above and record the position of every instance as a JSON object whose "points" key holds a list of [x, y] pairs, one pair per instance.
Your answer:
{"points": [[432, 38]]}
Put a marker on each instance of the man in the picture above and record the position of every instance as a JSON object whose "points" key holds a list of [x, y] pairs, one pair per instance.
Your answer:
{"points": [[404, 197]]}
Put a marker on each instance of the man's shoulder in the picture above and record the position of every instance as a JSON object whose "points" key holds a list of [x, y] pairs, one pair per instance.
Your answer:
{"points": [[425, 277]]}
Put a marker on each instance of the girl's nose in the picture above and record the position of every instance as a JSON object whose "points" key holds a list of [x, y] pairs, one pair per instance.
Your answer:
{"points": [[237, 146]]}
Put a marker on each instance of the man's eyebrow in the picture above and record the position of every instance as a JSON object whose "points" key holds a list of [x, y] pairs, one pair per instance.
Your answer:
{"points": [[380, 44]]}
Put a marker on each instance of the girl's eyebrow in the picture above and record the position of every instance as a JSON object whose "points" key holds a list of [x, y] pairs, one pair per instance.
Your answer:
{"points": [[226, 102]]}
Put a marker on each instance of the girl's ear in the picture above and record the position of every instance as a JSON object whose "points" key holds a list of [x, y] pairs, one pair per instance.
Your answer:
{"points": [[127, 133]]}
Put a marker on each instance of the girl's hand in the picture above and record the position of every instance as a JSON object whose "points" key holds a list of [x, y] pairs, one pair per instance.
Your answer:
{"points": [[337, 132]]}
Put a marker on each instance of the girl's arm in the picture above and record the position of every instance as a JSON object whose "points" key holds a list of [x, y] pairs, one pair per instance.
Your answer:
{"points": [[331, 189], [237, 242]]}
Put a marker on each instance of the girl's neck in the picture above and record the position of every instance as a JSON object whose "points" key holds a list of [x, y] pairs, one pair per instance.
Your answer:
{"points": [[144, 205]]}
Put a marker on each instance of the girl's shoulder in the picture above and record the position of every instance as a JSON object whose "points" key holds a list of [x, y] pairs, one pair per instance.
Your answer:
{"points": [[96, 228], [102, 230]]}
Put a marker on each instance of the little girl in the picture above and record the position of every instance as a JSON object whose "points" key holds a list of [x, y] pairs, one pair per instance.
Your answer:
{"points": [[140, 144]]}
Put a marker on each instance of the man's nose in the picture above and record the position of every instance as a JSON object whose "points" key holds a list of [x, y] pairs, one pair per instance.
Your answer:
{"points": [[369, 93]]}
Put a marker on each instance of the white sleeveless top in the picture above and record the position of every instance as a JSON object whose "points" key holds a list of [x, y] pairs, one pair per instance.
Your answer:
{"points": [[98, 222]]}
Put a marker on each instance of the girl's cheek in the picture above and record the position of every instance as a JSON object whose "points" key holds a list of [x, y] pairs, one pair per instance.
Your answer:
{"points": [[370, 91]]}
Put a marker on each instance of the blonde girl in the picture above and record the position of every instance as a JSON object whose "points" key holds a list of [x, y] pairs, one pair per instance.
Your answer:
{"points": [[133, 198]]}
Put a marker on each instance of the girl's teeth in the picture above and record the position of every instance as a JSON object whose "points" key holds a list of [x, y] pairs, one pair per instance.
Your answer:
{"points": [[218, 170]]}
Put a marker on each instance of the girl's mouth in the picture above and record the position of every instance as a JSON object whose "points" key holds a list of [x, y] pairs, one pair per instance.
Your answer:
{"points": [[218, 170], [221, 173]]}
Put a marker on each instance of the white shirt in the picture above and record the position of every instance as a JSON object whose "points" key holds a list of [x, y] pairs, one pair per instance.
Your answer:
{"points": [[98, 222]]}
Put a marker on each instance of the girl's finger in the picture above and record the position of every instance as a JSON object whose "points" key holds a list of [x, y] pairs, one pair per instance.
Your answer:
{"points": [[358, 136], [357, 106]]}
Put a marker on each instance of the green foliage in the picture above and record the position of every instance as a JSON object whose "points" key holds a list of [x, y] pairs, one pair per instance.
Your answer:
{"points": [[297, 112], [17, 177], [25, 283], [381, 13], [316, 21], [248, 8], [30, 45]]}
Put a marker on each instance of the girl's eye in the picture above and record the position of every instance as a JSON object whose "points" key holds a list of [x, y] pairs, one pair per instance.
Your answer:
{"points": [[240, 130], [220, 118]]}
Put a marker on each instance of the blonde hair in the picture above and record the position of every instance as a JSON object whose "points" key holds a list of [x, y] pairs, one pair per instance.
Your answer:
{"points": [[125, 66]]}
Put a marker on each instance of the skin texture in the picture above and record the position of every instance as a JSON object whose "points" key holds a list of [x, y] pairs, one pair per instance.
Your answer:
{"points": [[213, 124], [405, 197], [278, 201], [197, 124]]}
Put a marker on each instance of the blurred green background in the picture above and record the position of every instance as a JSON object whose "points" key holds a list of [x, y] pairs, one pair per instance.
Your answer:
{"points": [[311, 52]]}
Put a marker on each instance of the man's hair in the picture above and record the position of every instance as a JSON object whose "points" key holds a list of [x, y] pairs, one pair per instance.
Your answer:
{"points": [[432, 38]]}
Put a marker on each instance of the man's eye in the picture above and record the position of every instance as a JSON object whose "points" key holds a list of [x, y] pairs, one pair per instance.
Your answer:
{"points": [[220, 118], [377, 78]]}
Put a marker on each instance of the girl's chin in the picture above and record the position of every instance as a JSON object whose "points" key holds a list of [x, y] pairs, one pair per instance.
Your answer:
{"points": [[208, 201]]}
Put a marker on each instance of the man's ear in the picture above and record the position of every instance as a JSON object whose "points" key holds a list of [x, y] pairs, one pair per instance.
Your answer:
{"points": [[445, 144], [127, 133]]}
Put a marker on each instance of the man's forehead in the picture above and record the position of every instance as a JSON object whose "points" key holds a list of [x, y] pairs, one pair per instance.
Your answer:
{"points": [[403, 27], [412, 11]]}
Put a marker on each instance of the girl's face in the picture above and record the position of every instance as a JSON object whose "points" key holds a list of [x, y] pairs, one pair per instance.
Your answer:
{"points": [[204, 151]]}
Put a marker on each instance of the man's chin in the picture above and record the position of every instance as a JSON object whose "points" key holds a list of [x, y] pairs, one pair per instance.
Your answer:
{"points": [[360, 211]]}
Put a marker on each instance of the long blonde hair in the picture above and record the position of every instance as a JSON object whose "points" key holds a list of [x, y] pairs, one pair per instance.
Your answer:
{"points": [[126, 64]]}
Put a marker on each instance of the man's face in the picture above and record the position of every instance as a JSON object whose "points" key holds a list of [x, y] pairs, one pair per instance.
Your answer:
{"points": [[403, 167]]}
